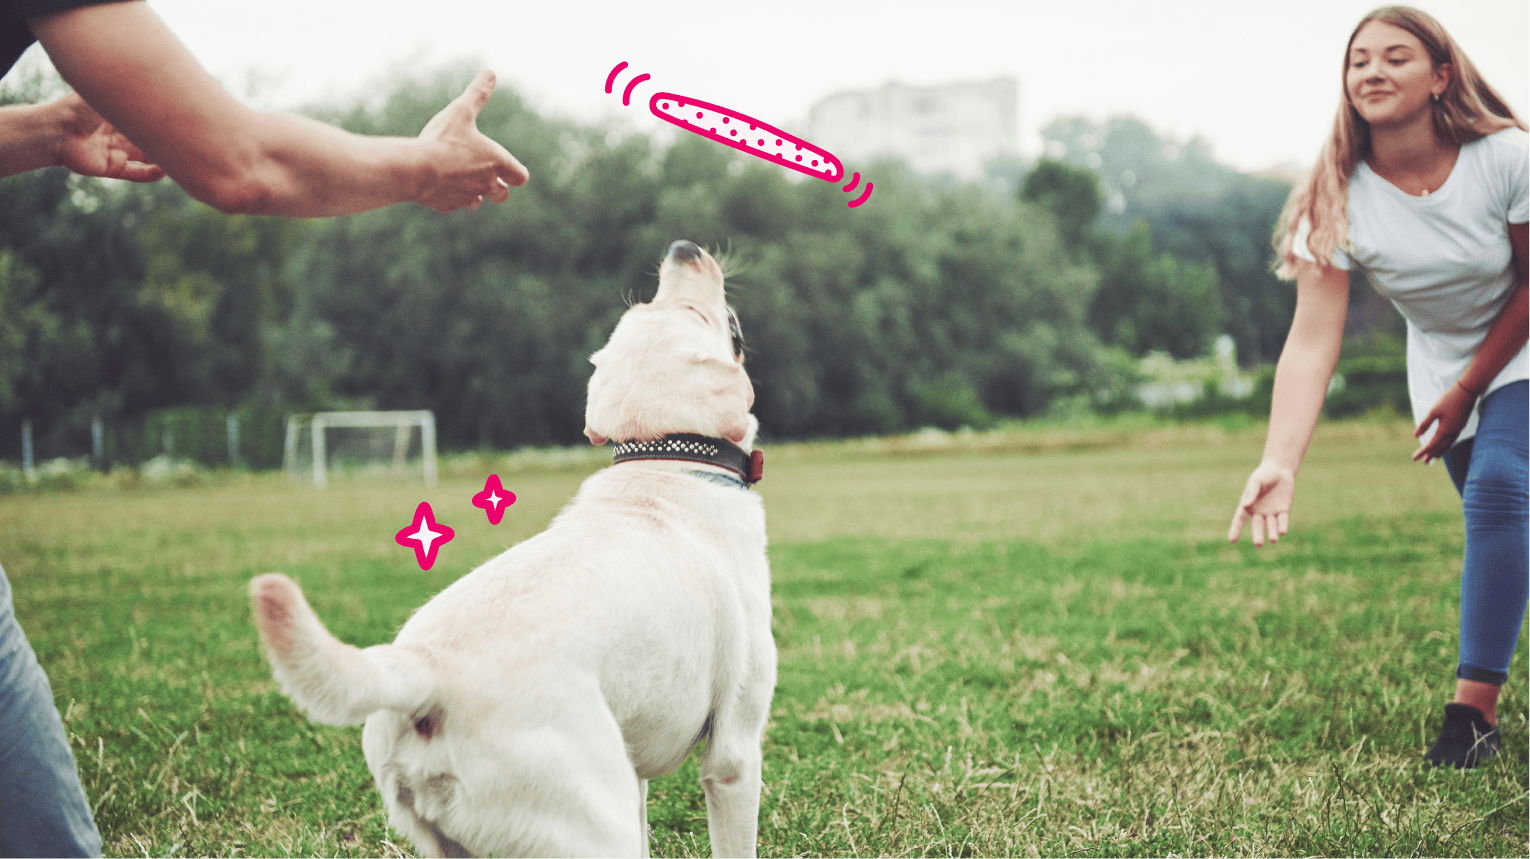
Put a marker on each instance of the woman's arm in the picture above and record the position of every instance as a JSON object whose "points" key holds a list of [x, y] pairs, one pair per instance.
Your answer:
{"points": [[1502, 343], [138, 76], [1301, 382]]}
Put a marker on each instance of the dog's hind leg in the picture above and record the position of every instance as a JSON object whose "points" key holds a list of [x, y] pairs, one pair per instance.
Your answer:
{"points": [[732, 783], [643, 813], [730, 775], [731, 764]]}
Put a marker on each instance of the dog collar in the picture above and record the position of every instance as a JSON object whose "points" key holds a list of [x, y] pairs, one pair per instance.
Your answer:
{"points": [[690, 447], [719, 478]]}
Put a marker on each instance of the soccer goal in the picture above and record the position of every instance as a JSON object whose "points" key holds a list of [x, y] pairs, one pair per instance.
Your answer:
{"points": [[394, 444]]}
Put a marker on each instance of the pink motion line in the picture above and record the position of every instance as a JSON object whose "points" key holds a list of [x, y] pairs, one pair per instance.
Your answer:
{"points": [[611, 78], [627, 93], [856, 180]]}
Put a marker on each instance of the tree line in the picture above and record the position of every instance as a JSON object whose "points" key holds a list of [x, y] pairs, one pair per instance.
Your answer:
{"points": [[936, 303]]}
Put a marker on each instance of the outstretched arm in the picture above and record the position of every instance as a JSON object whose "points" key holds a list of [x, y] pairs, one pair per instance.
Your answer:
{"points": [[1503, 341], [138, 76], [1301, 381]]}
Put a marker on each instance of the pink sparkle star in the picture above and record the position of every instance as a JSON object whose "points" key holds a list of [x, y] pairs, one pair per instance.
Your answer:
{"points": [[494, 499], [425, 535]]}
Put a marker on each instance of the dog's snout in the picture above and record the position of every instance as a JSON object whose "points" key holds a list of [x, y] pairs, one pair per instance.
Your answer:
{"points": [[684, 251]]}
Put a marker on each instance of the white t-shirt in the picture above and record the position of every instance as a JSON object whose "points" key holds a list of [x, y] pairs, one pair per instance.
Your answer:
{"points": [[1443, 259]]}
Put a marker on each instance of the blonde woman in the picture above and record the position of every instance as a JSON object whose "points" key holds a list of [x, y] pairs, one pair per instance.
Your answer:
{"points": [[1423, 186]]}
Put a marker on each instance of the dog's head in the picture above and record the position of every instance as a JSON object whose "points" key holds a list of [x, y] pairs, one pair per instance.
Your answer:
{"points": [[675, 364]]}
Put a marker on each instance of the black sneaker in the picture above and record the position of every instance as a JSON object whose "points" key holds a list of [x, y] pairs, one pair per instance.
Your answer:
{"points": [[1467, 741]]}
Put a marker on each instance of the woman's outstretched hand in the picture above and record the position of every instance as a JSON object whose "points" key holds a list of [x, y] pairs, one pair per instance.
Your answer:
{"points": [[1266, 504], [471, 167]]}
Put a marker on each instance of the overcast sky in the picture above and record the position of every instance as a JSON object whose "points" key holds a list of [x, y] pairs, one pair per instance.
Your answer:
{"points": [[1260, 81]]}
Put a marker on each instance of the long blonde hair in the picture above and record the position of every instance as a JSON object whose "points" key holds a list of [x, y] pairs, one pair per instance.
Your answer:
{"points": [[1467, 110]]}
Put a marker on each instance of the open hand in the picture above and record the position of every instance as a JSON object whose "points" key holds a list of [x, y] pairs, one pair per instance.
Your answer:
{"points": [[471, 167], [1266, 504], [1451, 412], [91, 146]]}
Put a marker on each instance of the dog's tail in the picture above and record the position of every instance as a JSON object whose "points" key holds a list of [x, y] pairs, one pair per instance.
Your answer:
{"points": [[336, 683]]}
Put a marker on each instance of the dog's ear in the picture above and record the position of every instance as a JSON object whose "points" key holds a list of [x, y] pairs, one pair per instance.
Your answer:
{"points": [[732, 395], [595, 384]]}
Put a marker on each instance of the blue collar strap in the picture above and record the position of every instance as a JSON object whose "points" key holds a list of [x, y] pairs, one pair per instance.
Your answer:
{"points": [[717, 477], [690, 447]]}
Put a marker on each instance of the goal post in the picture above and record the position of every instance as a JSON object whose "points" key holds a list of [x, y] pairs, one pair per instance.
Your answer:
{"points": [[385, 442]]}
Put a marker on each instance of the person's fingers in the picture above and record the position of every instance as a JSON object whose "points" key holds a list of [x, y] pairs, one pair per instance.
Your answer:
{"points": [[136, 167], [1423, 427], [469, 202], [1283, 522], [478, 92], [137, 171], [129, 148], [1272, 527], [512, 172], [499, 192], [1256, 524], [1437, 444], [1435, 419], [1435, 448], [1251, 492]]}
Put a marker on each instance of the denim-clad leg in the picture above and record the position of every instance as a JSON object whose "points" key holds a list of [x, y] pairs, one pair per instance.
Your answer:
{"points": [[1490, 472], [43, 811]]}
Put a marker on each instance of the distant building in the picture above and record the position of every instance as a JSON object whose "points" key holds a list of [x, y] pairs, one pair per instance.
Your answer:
{"points": [[956, 128]]}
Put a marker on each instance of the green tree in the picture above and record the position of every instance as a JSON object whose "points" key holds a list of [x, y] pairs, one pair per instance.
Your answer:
{"points": [[22, 316], [1147, 300], [80, 346], [1070, 194], [1152, 301], [1198, 210], [219, 283]]}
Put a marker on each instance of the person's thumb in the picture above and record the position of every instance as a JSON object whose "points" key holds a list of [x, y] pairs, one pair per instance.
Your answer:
{"points": [[478, 92]]}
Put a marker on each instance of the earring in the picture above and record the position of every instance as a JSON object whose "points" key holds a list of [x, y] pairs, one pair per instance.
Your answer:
{"points": [[1435, 96]]}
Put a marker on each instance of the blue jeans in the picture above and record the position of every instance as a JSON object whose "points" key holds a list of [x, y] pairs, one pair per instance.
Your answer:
{"points": [[1489, 471], [43, 811]]}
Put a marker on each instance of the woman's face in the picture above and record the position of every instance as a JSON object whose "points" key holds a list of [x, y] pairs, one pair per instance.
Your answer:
{"points": [[1390, 78]]}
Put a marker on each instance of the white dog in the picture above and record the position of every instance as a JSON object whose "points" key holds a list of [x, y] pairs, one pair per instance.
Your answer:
{"points": [[523, 710]]}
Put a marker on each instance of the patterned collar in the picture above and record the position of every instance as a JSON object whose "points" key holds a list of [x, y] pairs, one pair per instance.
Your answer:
{"points": [[690, 447]]}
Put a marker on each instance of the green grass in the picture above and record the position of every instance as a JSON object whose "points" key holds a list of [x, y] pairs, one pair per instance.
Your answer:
{"points": [[1035, 642]]}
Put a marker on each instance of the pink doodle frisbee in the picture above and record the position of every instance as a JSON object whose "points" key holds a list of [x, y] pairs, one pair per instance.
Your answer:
{"points": [[746, 134]]}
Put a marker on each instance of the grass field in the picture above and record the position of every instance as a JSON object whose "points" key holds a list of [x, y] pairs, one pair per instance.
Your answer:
{"points": [[1036, 642]]}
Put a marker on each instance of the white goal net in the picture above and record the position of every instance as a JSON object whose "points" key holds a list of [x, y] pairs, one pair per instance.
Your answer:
{"points": [[392, 444]]}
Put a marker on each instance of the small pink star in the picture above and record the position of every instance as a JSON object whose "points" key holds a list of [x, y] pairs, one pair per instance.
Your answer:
{"points": [[494, 499], [425, 535]]}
